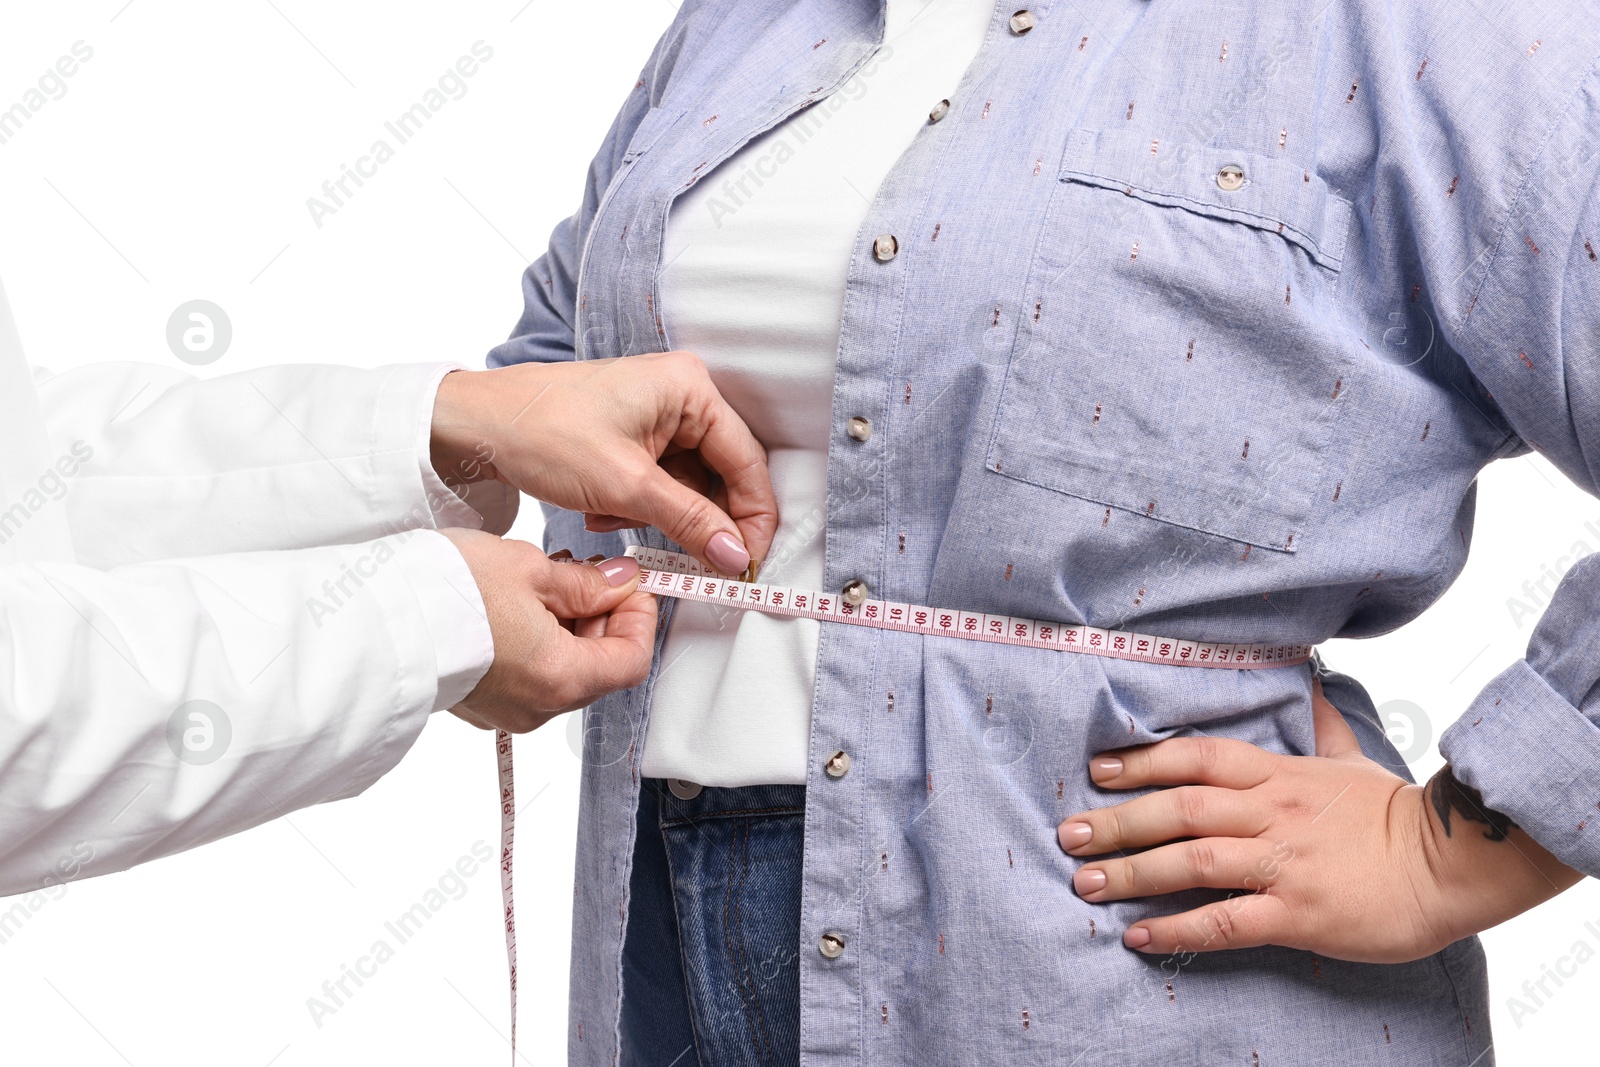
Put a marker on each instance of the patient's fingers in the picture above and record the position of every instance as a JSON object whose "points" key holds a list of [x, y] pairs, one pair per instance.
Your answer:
{"points": [[1165, 815], [1216, 761]]}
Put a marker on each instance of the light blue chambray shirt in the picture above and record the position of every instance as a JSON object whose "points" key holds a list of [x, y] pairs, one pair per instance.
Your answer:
{"points": [[1112, 384]]}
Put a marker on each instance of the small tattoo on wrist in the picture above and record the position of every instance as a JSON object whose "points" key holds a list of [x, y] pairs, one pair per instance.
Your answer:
{"points": [[1447, 794]]}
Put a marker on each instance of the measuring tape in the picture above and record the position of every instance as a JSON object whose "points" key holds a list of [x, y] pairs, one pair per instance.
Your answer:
{"points": [[508, 827], [683, 577]]}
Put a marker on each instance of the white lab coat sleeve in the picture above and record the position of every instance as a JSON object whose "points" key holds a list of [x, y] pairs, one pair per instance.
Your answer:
{"points": [[154, 707], [156, 464]]}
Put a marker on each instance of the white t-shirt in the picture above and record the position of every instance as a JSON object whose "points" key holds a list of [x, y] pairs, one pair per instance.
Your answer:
{"points": [[756, 259]]}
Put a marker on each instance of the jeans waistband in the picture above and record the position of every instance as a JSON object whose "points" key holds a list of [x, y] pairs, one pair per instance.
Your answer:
{"points": [[714, 802]]}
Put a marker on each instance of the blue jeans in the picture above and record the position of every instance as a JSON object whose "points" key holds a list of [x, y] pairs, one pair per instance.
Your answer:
{"points": [[710, 964]]}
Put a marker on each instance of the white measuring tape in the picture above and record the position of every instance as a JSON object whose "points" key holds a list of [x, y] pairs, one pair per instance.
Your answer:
{"points": [[683, 577], [508, 826], [677, 575]]}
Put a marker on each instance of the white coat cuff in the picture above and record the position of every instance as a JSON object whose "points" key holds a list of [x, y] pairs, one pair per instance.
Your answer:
{"points": [[486, 505], [453, 611]]}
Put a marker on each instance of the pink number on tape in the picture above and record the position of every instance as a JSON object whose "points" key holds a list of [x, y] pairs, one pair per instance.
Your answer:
{"points": [[676, 575]]}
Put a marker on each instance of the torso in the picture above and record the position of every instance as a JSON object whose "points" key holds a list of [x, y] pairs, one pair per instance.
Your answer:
{"points": [[755, 265]]}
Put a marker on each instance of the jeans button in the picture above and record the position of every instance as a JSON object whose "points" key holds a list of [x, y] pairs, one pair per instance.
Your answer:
{"points": [[683, 790]]}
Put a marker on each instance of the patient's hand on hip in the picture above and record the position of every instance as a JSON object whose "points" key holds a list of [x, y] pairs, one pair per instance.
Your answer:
{"points": [[1331, 853]]}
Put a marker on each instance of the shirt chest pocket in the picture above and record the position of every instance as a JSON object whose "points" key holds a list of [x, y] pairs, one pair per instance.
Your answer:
{"points": [[1179, 354]]}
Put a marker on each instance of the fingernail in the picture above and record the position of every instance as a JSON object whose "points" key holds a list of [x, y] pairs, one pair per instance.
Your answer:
{"points": [[598, 557], [1136, 937], [561, 554], [727, 554], [1102, 768], [1088, 881], [619, 571], [1074, 835]]}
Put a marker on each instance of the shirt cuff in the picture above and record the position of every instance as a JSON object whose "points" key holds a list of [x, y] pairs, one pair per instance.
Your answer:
{"points": [[453, 611], [486, 505], [1533, 757]]}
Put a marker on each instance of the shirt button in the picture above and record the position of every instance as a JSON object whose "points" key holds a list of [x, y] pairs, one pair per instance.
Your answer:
{"points": [[886, 247], [860, 428], [1230, 178], [683, 790], [940, 110], [855, 592], [838, 764], [831, 945], [1022, 22]]}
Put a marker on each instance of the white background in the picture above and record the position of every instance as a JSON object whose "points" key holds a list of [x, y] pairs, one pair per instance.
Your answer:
{"points": [[177, 166]]}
